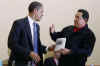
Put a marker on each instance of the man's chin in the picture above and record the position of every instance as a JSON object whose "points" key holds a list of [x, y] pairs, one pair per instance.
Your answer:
{"points": [[38, 20]]}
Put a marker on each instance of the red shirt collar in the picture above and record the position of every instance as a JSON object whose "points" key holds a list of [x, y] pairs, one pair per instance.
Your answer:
{"points": [[77, 29]]}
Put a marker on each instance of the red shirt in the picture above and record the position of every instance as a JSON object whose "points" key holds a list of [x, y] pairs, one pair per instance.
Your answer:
{"points": [[77, 29]]}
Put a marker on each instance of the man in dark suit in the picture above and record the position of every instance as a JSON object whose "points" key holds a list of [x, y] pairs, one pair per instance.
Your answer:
{"points": [[24, 39], [80, 40]]}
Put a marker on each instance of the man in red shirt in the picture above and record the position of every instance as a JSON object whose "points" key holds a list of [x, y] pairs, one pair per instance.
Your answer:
{"points": [[80, 40]]}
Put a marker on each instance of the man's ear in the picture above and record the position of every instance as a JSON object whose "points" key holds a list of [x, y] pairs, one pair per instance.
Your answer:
{"points": [[35, 11]]}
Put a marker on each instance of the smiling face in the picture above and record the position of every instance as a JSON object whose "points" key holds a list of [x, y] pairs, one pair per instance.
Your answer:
{"points": [[37, 14], [36, 10], [79, 21]]}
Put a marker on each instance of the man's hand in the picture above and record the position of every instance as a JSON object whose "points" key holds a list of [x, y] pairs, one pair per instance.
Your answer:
{"points": [[35, 56], [65, 51], [52, 28], [51, 48]]}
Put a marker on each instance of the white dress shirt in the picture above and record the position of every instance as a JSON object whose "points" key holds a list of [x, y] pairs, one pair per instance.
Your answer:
{"points": [[56, 61], [31, 21]]}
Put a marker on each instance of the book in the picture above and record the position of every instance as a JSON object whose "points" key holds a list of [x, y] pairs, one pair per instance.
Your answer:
{"points": [[60, 43]]}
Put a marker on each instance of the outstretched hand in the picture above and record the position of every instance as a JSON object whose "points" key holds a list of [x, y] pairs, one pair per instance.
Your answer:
{"points": [[51, 48], [52, 28], [65, 51]]}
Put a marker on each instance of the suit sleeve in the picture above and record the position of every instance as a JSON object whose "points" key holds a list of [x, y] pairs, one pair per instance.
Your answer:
{"points": [[13, 41], [47, 63], [60, 34], [55, 35], [88, 46]]}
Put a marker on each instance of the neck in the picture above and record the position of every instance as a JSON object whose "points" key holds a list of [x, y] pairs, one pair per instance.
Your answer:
{"points": [[32, 17], [80, 27]]}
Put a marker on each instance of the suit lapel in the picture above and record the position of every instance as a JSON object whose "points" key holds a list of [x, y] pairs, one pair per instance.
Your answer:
{"points": [[28, 30]]}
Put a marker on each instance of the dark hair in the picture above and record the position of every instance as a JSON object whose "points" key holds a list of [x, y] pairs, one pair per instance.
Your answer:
{"points": [[34, 5], [85, 14]]}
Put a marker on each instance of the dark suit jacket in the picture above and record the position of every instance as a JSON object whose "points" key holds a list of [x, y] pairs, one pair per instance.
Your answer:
{"points": [[50, 62], [81, 44], [20, 42]]}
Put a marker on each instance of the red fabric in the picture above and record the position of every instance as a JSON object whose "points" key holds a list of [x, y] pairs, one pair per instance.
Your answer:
{"points": [[76, 29]]}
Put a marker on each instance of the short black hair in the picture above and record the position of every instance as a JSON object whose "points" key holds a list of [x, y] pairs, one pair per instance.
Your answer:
{"points": [[34, 5], [85, 14]]}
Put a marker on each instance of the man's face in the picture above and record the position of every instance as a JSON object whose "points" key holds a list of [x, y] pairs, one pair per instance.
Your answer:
{"points": [[79, 21], [38, 13]]}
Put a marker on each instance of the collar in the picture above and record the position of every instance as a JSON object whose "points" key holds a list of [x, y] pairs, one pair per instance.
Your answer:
{"points": [[31, 21], [80, 29]]}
